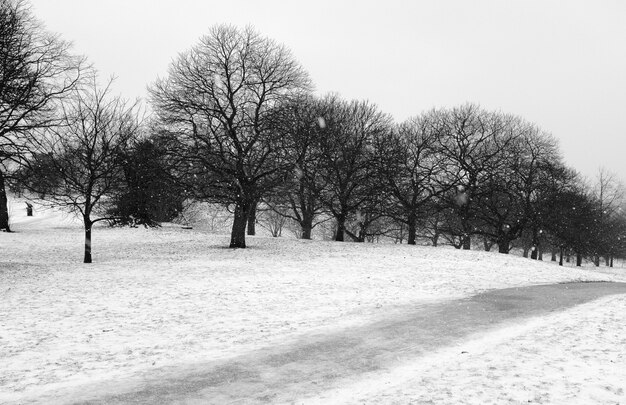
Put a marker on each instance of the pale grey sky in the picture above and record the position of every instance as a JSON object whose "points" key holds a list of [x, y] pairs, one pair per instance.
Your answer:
{"points": [[560, 64]]}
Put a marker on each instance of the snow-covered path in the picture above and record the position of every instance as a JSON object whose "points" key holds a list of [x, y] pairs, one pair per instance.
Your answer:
{"points": [[316, 368]]}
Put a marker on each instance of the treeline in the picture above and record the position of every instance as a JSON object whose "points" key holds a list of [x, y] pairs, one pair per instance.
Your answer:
{"points": [[235, 123]]}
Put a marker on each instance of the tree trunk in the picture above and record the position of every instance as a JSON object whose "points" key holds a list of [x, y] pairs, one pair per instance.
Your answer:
{"points": [[412, 231], [561, 257], [525, 252], [611, 263], [540, 256], [88, 225], [466, 241], [579, 260], [341, 229], [504, 243], [535, 245], [435, 239], [306, 230], [252, 219], [553, 258], [4, 206], [606, 261], [238, 233], [596, 260]]}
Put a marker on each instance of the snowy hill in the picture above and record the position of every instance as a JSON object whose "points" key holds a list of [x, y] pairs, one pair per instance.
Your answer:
{"points": [[156, 297]]}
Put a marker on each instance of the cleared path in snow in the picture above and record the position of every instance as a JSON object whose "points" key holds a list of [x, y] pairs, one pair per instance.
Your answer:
{"points": [[284, 374]]}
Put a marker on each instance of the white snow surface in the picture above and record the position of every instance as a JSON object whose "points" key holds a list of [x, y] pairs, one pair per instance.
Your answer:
{"points": [[576, 356], [169, 296]]}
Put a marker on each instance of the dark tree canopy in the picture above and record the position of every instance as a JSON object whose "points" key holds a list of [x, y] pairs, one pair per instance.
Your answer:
{"points": [[149, 194]]}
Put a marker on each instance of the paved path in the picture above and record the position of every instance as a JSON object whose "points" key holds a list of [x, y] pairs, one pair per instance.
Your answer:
{"points": [[283, 374]]}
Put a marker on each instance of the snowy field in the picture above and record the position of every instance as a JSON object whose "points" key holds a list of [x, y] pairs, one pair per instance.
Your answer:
{"points": [[168, 296]]}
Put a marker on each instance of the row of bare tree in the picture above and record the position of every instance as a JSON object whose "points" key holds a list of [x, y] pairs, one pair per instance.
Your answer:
{"points": [[235, 123]]}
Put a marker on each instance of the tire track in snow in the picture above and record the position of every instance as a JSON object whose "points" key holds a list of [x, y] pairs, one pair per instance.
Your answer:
{"points": [[322, 362]]}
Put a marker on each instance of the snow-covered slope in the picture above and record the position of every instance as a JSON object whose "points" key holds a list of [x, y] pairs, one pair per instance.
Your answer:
{"points": [[154, 297]]}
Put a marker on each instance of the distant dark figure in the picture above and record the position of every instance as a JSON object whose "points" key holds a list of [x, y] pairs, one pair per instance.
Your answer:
{"points": [[29, 209]]}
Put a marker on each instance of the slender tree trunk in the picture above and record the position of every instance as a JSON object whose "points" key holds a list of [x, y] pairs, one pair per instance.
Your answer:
{"points": [[525, 252], [88, 226], [579, 260], [466, 241], [4, 206], [611, 263], [606, 260], [252, 218], [238, 233], [341, 228], [596, 260], [540, 255], [435, 239], [535, 245], [412, 231], [568, 258], [553, 258], [560, 256]]}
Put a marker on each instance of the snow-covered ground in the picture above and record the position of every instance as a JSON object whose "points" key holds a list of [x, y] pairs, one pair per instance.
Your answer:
{"points": [[156, 297], [577, 356]]}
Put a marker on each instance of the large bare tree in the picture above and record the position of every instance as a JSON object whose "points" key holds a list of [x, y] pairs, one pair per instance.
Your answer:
{"points": [[347, 182], [472, 142], [78, 163], [413, 169], [216, 102], [301, 123], [36, 71]]}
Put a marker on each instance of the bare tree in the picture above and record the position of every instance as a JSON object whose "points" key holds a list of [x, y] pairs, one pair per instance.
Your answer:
{"points": [[511, 198], [301, 123], [217, 102], [273, 220], [609, 195], [79, 163], [413, 171], [472, 141], [348, 177], [36, 71]]}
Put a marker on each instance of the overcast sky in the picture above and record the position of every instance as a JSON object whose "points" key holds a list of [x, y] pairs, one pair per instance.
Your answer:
{"points": [[559, 64]]}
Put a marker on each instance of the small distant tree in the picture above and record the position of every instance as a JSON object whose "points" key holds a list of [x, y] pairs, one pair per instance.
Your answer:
{"points": [[571, 219], [609, 194], [36, 71], [79, 164], [273, 220]]}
